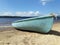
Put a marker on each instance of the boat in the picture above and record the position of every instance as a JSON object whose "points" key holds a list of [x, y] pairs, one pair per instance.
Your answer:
{"points": [[41, 24]]}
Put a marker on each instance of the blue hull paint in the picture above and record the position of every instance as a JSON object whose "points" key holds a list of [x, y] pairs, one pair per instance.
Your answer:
{"points": [[39, 24]]}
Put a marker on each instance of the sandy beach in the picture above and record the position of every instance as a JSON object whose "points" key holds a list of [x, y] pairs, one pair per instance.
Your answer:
{"points": [[11, 36]]}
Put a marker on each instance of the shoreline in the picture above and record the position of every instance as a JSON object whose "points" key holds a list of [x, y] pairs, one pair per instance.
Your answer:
{"points": [[9, 26]]}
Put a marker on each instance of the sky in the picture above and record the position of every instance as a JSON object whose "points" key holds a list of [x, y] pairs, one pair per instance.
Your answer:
{"points": [[28, 7]]}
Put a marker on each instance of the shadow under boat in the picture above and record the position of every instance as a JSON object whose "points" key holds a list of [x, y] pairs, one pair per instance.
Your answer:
{"points": [[51, 32]]}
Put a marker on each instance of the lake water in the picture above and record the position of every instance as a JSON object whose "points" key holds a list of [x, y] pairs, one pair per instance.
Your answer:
{"points": [[8, 21]]}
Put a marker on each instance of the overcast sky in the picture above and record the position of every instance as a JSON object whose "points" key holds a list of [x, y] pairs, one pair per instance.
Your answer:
{"points": [[29, 7]]}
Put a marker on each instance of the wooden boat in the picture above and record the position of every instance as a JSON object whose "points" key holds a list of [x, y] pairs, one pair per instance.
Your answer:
{"points": [[41, 24]]}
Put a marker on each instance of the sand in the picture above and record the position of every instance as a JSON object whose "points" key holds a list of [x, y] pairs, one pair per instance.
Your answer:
{"points": [[11, 36]]}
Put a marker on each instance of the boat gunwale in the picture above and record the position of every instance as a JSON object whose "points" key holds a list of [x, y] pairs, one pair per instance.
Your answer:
{"points": [[34, 18]]}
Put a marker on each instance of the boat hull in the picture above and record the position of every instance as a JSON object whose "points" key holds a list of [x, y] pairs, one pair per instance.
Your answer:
{"points": [[42, 24]]}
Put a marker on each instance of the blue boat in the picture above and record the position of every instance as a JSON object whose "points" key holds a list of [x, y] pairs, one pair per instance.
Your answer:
{"points": [[41, 24]]}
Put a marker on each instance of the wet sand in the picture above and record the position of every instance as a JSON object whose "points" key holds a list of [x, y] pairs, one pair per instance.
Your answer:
{"points": [[11, 36]]}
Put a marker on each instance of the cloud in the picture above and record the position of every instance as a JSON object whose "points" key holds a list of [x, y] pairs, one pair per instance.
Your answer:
{"points": [[44, 2], [58, 14], [29, 13], [6, 14]]}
